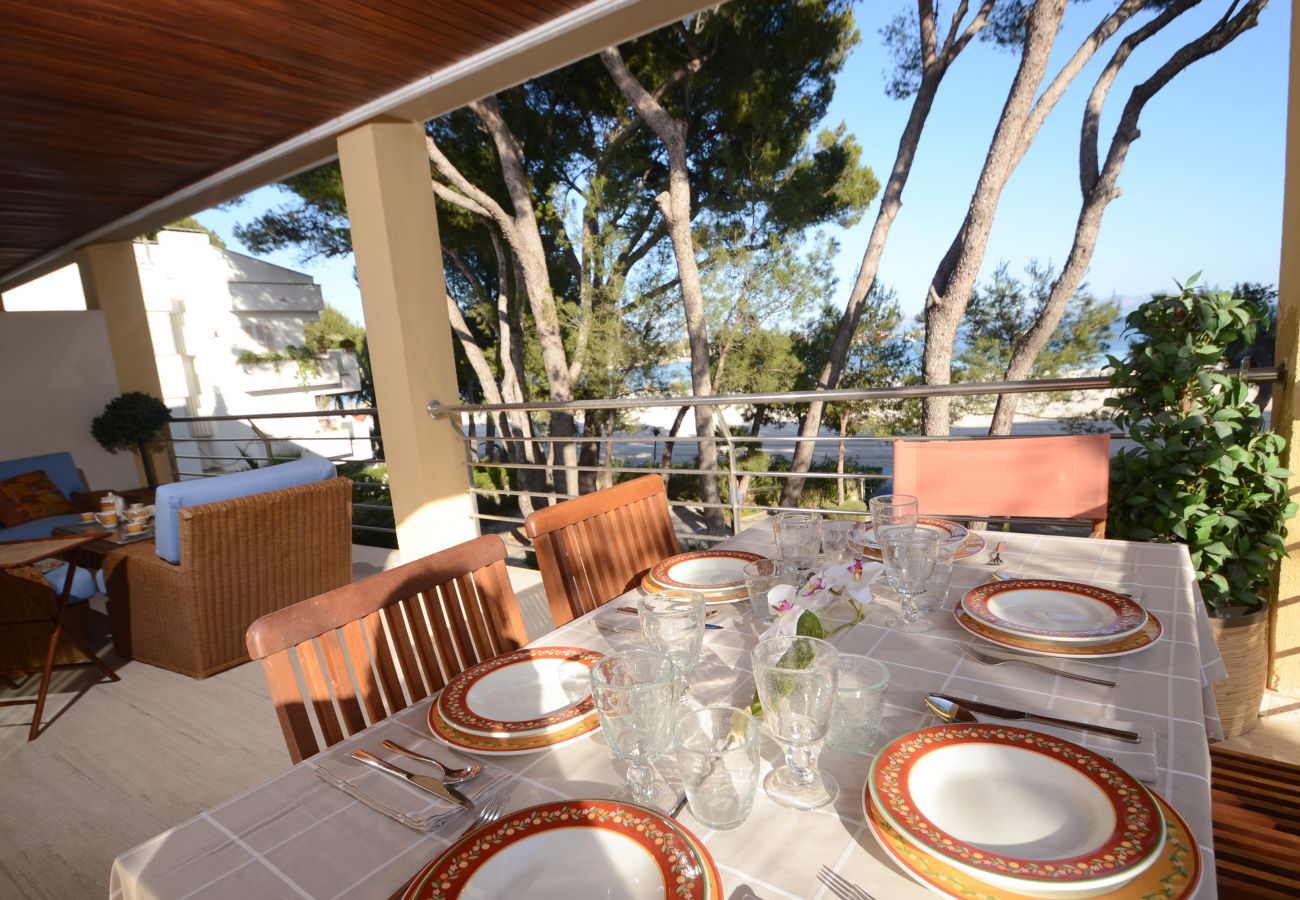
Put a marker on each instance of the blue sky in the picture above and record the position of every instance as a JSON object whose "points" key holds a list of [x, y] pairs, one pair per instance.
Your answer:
{"points": [[1202, 188]]}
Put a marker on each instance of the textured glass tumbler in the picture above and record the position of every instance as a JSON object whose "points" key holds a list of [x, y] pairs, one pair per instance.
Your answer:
{"points": [[798, 539], [835, 539], [908, 555], [936, 589], [859, 704], [760, 577], [889, 511], [717, 757], [635, 694], [672, 623], [797, 678]]}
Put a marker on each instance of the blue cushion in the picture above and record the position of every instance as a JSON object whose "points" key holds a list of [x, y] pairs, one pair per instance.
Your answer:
{"points": [[171, 498], [37, 528], [58, 466], [85, 583]]}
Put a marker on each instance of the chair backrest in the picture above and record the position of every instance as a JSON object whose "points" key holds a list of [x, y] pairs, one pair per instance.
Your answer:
{"points": [[1059, 477], [58, 466], [597, 546], [369, 649], [172, 498]]}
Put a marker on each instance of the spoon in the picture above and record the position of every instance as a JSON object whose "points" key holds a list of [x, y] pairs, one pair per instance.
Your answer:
{"points": [[449, 775]]}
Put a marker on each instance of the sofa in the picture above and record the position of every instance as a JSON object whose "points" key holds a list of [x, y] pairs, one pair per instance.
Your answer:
{"points": [[227, 551]]}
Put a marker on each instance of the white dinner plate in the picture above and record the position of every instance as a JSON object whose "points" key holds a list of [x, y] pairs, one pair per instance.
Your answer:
{"points": [[1017, 809], [1057, 611], [704, 570], [536, 690], [950, 533]]}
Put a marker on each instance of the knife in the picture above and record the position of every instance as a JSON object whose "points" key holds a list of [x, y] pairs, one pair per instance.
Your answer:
{"points": [[1002, 712], [425, 782]]}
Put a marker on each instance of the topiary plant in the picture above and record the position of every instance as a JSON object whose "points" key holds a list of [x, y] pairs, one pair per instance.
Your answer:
{"points": [[1205, 471], [132, 421]]}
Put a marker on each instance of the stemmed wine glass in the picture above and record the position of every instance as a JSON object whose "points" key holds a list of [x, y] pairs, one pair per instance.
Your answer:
{"points": [[635, 693], [672, 623], [890, 511], [909, 556], [797, 679]]}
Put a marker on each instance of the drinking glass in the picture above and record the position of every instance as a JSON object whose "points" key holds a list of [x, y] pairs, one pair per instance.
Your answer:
{"points": [[936, 589], [635, 695], [798, 539], [859, 704], [760, 577], [672, 623], [835, 539], [889, 511], [797, 677], [717, 755], [908, 555]]}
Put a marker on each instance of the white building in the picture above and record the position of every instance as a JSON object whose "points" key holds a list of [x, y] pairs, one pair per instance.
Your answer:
{"points": [[207, 307]]}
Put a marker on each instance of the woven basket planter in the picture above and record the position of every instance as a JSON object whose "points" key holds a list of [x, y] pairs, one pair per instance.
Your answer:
{"points": [[1243, 643]]}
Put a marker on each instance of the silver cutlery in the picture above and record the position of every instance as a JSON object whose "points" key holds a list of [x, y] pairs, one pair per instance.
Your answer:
{"points": [[955, 709], [636, 612], [424, 782], [995, 559], [989, 660], [616, 629], [449, 775], [840, 886], [488, 813]]}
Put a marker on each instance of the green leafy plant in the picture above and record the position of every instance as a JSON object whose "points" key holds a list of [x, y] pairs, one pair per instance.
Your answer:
{"points": [[133, 421], [1205, 473], [306, 359]]}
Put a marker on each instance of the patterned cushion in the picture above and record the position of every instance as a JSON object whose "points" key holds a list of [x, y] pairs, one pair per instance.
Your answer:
{"points": [[31, 496]]}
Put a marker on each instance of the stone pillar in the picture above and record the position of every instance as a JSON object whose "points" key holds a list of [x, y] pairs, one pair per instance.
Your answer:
{"points": [[110, 280], [399, 268]]}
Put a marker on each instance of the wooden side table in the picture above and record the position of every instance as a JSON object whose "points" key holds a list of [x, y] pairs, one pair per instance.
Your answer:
{"points": [[15, 554]]}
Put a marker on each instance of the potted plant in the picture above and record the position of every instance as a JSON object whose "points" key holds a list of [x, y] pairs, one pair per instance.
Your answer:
{"points": [[1205, 472], [133, 421]]}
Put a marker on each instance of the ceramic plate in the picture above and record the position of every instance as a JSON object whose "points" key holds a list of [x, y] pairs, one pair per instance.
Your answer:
{"points": [[973, 544], [1147, 635], [625, 850], [515, 745], [1059, 611], [718, 574], [530, 691], [710, 597], [950, 533], [1175, 874], [1066, 818]]}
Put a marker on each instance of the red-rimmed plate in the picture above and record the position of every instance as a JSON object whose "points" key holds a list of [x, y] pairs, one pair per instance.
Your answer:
{"points": [[515, 745], [718, 574], [950, 533], [573, 848], [530, 691], [1059, 611], [972, 544], [1175, 874], [1144, 637], [1066, 819]]}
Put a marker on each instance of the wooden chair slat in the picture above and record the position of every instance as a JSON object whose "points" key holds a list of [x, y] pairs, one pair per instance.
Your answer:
{"points": [[1256, 815], [381, 639]]}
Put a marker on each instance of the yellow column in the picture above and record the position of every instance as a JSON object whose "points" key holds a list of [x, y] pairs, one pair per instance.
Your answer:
{"points": [[399, 269], [110, 281], [1284, 649]]}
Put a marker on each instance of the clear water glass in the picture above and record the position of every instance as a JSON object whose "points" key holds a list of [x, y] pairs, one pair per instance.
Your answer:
{"points": [[760, 577], [889, 511], [798, 539], [717, 757], [635, 693], [909, 555], [672, 623], [797, 679], [936, 590], [835, 539], [859, 704]]}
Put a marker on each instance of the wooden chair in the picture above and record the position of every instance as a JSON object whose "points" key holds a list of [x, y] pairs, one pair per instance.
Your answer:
{"points": [[594, 548], [370, 649], [1256, 813], [1065, 477]]}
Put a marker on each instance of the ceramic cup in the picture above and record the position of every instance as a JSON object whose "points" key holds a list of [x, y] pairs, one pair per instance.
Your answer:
{"points": [[108, 519], [134, 526], [87, 517]]}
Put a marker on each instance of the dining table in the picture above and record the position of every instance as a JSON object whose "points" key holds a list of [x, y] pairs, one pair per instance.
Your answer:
{"points": [[298, 836]]}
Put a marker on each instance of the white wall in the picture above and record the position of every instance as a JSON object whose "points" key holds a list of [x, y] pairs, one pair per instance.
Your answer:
{"points": [[56, 375]]}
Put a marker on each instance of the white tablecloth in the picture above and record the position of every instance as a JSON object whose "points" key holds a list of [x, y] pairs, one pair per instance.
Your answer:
{"points": [[296, 836]]}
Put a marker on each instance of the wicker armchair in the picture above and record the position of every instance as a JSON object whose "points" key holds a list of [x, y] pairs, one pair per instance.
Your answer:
{"points": [[241, 559]]}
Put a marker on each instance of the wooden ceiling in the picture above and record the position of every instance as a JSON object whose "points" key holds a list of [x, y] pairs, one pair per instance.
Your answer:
{"points": [[107, 106]]}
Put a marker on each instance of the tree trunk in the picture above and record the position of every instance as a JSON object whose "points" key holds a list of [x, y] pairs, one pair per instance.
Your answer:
{"points": [[146, 461], [666, 461], [839, 462], [953, 281]]}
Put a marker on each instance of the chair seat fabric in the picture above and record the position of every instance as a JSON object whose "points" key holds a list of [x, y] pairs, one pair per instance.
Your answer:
{"points": [[38, 528], [85, 583], [172, 498]]}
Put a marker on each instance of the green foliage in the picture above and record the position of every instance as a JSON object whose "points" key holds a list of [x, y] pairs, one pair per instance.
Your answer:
{"points": [[1204, 473], [306, 359], [131, 421], [189, 223], [333, 330]]}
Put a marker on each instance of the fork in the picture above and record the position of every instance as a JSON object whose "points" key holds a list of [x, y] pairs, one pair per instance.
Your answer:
{"points": [[996, 558], [998, 660], [488, 813], [840, 886]]}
